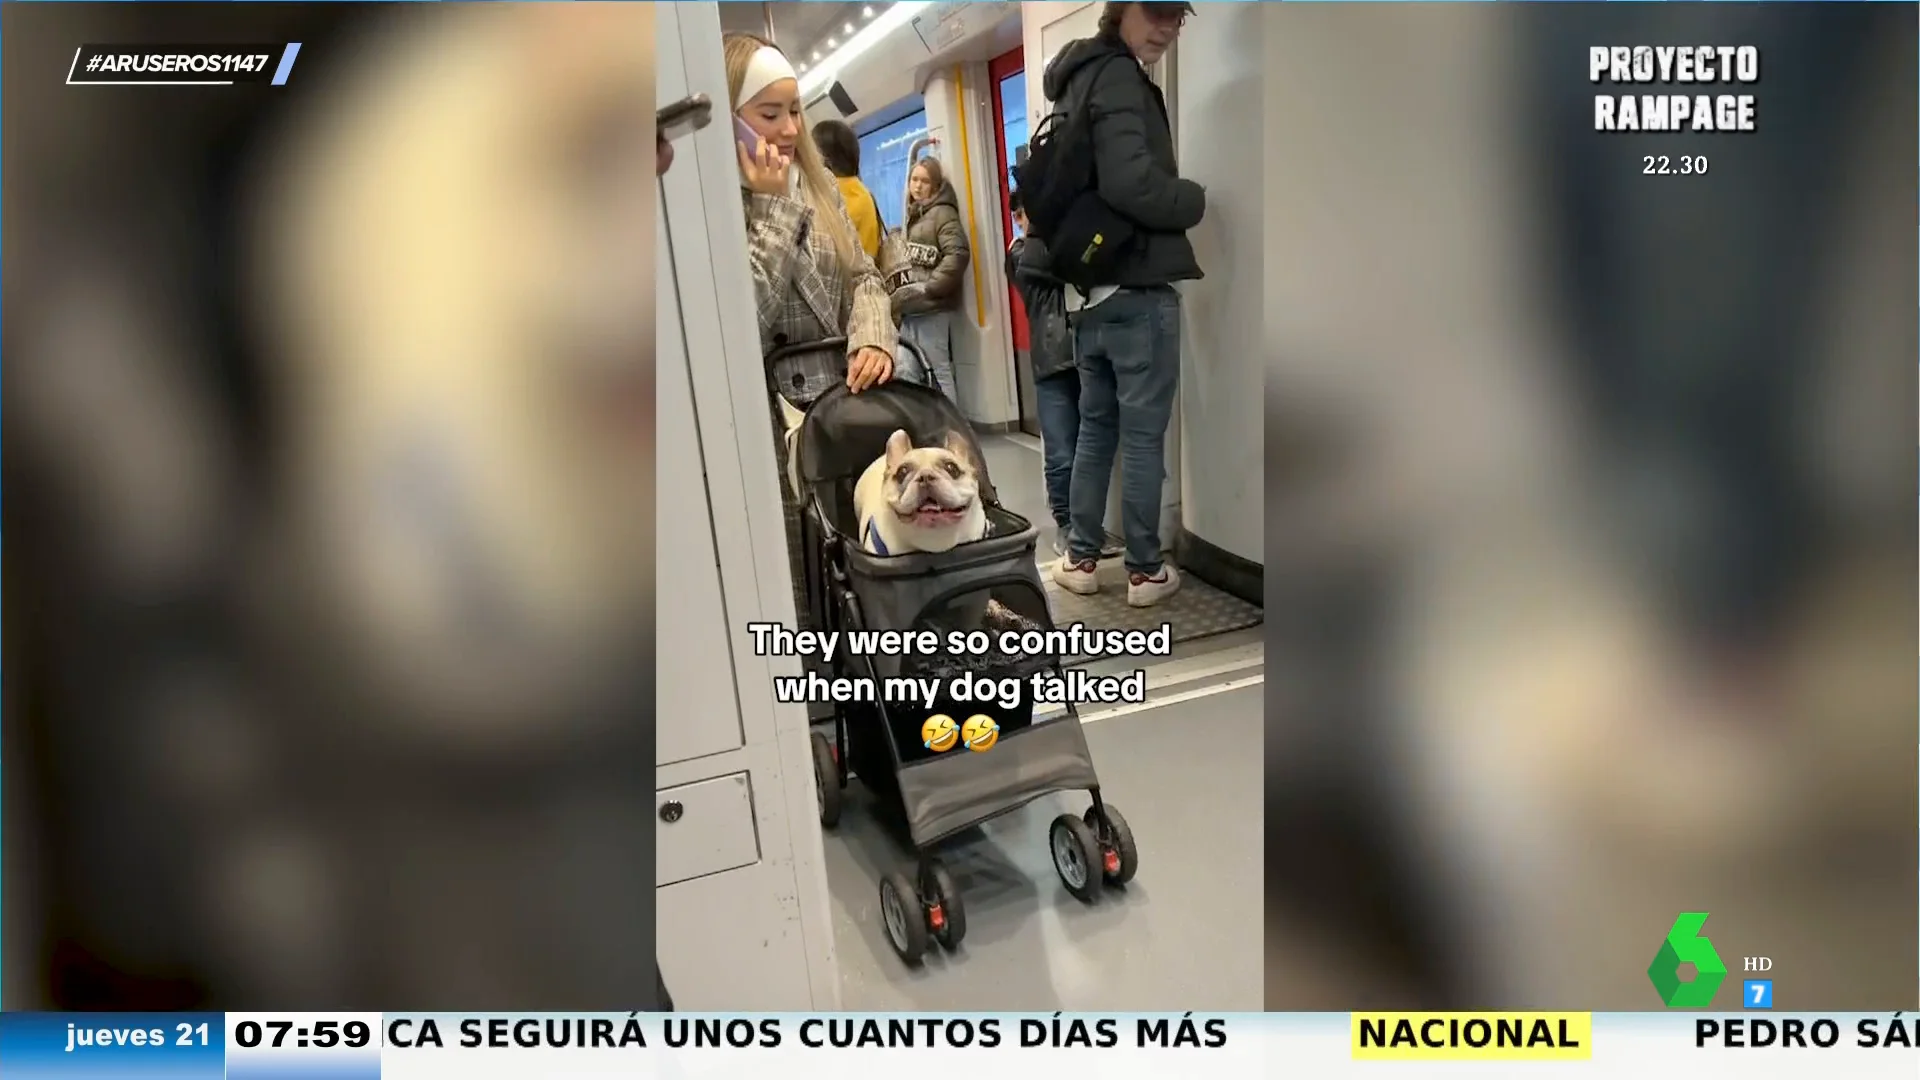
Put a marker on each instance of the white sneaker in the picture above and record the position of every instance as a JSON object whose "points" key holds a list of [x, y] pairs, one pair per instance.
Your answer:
{"points": [[1144, 591], [1060, 544], [1077, 578]]}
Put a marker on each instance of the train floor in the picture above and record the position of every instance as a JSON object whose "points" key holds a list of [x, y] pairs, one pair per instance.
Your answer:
{"points": [[1185, 767], [1197, 611]]}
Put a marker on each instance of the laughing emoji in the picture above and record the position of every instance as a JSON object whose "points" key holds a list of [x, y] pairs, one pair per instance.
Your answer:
{"points": [[939, 733], [980, 732]]}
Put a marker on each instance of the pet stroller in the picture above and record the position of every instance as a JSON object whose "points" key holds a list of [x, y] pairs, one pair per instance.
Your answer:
{"points": [[990, 584]]}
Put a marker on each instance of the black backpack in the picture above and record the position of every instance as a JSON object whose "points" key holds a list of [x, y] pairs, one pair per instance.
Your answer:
{"points": [[1058, 185]]}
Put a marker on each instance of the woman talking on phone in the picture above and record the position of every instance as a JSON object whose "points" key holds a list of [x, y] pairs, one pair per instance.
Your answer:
{"points": [[811, 279]]}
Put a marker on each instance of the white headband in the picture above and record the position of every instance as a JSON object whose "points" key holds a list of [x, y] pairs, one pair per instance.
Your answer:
{"points": [[767, 67]]}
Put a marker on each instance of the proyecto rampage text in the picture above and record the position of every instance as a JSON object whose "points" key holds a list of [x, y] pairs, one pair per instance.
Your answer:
{"points": [[1677, 66], [816, 1032]]}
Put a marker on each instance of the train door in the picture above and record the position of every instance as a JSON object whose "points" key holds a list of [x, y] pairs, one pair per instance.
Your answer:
{"points": [[1007, 75]]}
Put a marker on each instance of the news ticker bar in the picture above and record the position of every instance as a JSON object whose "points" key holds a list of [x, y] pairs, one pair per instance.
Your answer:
{"points": [[182, 65], [800, 1046]]}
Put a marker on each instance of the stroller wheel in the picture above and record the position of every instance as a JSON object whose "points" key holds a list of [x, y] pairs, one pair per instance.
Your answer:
{"points": [[946, 915], [905, 917], [1076, 857], [1119, 859], [826, 775]]}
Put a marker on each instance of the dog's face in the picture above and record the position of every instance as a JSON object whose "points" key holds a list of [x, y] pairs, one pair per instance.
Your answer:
{"points": [[931, 487], [461, 288]]}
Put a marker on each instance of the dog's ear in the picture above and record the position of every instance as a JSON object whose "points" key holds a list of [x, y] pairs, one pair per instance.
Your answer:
{"points": [[961, 447], [899, 444]]}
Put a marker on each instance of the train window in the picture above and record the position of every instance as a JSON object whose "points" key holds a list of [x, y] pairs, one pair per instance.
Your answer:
{"points": [[883, 164], [1013, 110]]}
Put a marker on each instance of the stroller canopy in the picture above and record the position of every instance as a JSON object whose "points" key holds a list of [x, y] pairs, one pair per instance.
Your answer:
{"points": [[844, 432]]}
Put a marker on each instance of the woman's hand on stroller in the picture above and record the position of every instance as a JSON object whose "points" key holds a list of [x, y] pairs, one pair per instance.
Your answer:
{"points": [[868, 367]]}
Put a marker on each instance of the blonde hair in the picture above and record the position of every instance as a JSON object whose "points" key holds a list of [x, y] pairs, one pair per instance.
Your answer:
{"points": [[935, 175], [821, 193]]}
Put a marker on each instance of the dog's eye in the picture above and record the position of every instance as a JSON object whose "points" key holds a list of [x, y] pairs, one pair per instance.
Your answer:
{"points": [[952, 468], [900, 474]]}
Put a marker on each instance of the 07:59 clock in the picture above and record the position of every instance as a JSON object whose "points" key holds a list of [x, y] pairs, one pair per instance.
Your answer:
{"points": [[1683, 165], [319, 1032]]}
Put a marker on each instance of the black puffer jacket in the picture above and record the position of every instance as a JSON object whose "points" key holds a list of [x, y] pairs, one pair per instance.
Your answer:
{"points": [[1133, 158], [1049, 338], [938, 251]]}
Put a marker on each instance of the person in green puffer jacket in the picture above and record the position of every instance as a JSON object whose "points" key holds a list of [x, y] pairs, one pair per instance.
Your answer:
{"points": [[938, 254]]}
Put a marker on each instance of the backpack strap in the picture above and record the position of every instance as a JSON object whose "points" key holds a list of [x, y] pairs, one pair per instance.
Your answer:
{"points": [[1085, 112], [1084, 109]]}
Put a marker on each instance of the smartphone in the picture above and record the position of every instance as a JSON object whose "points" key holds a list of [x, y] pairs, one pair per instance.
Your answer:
{"points": [[684, 117], [744, 134]]}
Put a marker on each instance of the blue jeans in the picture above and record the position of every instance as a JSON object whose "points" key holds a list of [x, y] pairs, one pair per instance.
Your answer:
{"points": [[1057, 399], [1128, 347], [932, 334]]}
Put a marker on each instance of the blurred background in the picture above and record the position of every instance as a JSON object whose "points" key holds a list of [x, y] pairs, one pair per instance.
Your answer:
{"points": [[328, 462], [1591, 532]]}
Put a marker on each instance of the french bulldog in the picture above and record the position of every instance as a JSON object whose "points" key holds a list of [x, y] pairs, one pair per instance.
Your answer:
{"points": [[458, 536], [919, 499]]}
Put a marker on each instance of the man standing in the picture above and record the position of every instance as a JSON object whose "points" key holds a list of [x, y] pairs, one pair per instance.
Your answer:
{"points": [[1127, 326]]}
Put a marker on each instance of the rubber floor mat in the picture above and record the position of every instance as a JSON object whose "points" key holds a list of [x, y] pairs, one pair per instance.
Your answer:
{"points": [[1197, 611]]}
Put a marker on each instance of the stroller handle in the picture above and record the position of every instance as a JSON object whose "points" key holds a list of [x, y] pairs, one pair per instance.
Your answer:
{"points": [[798, 348], [776, 355], [781, 352]]}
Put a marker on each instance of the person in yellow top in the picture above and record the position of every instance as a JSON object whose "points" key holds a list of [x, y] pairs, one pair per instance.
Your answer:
{"points": [[840, 149]]}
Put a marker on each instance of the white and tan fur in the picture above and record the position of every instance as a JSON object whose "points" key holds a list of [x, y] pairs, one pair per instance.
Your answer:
{"points": [[420, 275], [920, 499]]}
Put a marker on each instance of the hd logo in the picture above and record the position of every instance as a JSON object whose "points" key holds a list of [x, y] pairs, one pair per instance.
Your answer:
{"points": [[1685, 944]]}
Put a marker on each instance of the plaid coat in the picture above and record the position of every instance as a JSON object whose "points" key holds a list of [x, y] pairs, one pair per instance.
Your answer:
{"points": [[803, 294]]}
